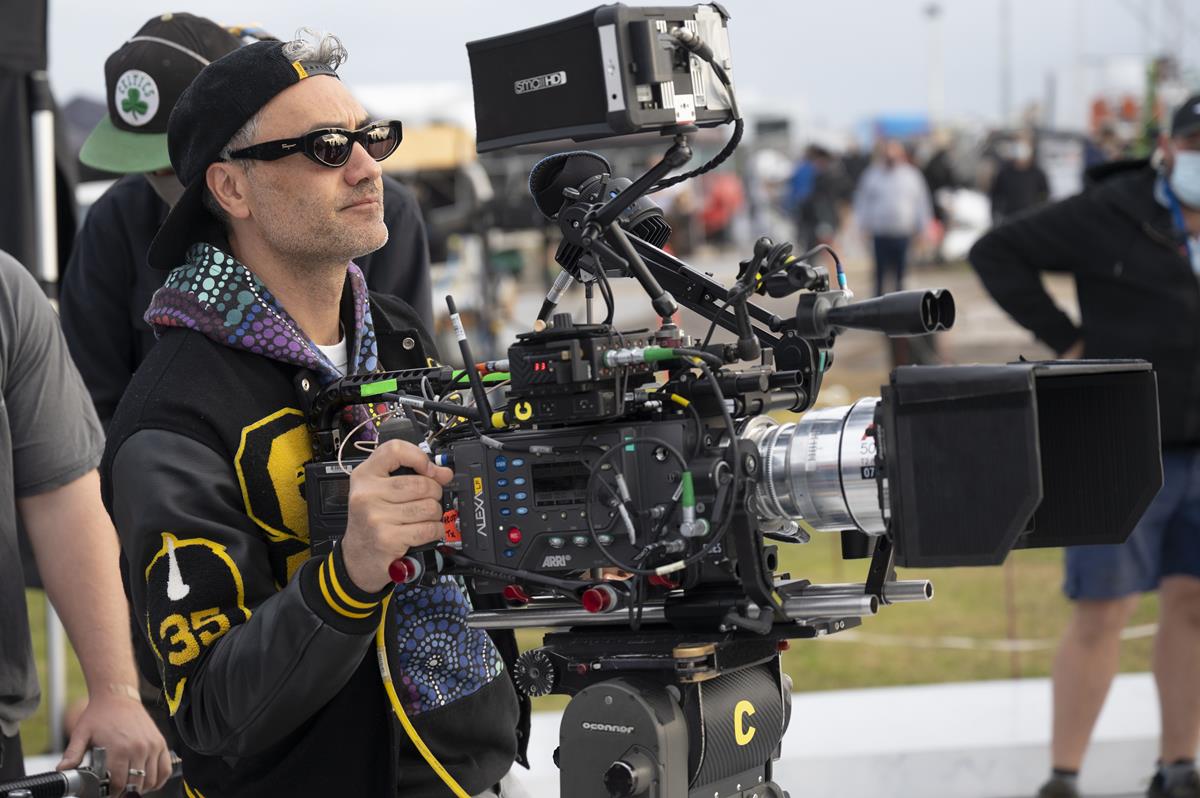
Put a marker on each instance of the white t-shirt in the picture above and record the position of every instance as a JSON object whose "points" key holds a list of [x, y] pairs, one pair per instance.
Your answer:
{"points": [[338, 355]]}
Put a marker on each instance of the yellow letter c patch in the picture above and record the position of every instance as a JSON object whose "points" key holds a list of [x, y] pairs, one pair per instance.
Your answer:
{"points": [[742, 731]]}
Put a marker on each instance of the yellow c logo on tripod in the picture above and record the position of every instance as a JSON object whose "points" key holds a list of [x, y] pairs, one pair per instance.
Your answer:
{"points": [[523, 411], [742, 731]]}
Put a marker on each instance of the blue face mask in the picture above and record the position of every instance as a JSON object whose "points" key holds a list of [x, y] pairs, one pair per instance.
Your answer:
{"points": [[1185, 177]]}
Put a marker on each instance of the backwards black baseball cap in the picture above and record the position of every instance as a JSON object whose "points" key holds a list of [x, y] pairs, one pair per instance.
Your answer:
{"points": [[144, 80], [223, 97], [1186, 118]]}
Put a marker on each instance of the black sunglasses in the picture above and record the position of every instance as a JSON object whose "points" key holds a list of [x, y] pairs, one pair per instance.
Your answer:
{"points": [[330, 146]]}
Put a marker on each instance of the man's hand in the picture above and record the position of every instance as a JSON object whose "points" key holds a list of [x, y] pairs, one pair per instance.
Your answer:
{"points": [[1073, 352], [389, 515], [120, 725], [78, 558]]}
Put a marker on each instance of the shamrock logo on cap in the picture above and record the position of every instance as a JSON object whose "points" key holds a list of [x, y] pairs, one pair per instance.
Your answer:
{"points": [[135, 98], [133, 103]]}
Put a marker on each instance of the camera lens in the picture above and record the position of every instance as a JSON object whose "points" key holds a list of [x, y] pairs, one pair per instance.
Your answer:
{"points": [[820, 469]]}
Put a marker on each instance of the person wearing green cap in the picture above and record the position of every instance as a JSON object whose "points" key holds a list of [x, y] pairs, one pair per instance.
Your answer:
{"points": [[108, 284]]}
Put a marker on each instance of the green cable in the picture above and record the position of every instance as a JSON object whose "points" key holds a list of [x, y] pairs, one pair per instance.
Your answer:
{"points": [[688, 497]]}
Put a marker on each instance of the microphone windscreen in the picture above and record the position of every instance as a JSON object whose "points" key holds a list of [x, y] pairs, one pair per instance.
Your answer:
{"points": [[553, 173]]}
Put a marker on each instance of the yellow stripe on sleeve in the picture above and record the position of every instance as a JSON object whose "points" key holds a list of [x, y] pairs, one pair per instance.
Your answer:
{"points": [[341, 594], [329, 599]]}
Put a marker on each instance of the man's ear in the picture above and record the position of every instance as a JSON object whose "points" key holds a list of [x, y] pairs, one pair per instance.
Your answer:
{"points": [[227, 183]]}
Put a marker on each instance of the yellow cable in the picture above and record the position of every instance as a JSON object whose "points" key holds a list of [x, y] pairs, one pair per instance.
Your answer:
{"points": [[679, 400], [426, 754]]}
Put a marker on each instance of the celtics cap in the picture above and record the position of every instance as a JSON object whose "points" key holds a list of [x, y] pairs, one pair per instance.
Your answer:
{"points": [[144, 80], [223, 97]]}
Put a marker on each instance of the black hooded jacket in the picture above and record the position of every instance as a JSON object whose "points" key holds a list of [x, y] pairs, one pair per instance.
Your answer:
{"points": [[1138, 294]]}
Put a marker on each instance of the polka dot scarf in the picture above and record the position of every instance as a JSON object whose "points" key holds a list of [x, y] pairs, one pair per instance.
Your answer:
{"points": [[214, 294]]}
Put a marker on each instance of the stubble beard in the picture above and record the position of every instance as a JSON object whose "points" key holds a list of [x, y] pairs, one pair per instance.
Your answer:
{"points": [[313, 247]]}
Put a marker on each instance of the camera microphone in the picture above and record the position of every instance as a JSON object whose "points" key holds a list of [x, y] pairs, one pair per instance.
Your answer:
{"points": [[563, 170], [586, 177]]}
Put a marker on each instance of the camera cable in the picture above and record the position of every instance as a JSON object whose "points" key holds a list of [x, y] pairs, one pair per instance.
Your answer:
{"points": [[696, 45], [398, 708]]}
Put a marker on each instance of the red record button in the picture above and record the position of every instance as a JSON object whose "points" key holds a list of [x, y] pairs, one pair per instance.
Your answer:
{"points": [[514, 535]]}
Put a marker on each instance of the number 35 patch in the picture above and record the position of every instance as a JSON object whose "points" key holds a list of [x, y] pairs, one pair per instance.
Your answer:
{"points": [[194, 594]]}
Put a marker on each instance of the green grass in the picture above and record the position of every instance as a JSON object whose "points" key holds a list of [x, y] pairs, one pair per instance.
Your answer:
{"points": [[968, 602]]}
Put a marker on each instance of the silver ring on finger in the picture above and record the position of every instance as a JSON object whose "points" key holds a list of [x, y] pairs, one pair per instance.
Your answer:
{"points": [[137, 772]]}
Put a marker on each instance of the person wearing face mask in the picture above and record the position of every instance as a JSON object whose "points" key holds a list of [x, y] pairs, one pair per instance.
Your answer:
{"points": [[1132, 242], [108, 282], [1020, 184]]}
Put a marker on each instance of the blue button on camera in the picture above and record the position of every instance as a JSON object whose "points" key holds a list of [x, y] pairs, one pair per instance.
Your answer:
{"points": [[504, 496], [520, 510], [505, 511], [520, 496], [501, 463], [519, 481], [518, 462], [501, 483]]}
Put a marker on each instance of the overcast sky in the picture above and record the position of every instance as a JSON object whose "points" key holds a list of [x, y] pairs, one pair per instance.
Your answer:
{"points": [[838, 60]]}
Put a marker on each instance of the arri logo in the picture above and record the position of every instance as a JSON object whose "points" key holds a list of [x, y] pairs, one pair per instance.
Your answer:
{"points": [[136, 97], [547, 81]]}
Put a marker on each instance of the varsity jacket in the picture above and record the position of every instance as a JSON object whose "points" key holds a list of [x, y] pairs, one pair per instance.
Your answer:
{"points": [[272, 662]]}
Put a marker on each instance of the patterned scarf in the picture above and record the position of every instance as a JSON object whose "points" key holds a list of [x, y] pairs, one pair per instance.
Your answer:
{"points": [[216, 295]]}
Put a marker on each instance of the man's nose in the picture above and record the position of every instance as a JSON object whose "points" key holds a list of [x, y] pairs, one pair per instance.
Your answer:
{"points": [[361, 166]]}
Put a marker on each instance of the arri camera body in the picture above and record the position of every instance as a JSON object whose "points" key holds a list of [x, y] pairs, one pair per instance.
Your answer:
{"points": [[629, 488]]}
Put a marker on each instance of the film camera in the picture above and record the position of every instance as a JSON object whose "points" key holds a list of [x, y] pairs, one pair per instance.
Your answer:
{"points": [[628, 488]]}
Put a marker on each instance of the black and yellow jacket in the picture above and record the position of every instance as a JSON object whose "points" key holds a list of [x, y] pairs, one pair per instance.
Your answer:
{"points": [[267, 658]]}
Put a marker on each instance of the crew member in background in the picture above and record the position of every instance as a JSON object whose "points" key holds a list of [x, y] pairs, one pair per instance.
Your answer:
{"points": [[287, 674], [892, 206], [108, 283], [1133, 244], [50, 445], [1020, 184]]}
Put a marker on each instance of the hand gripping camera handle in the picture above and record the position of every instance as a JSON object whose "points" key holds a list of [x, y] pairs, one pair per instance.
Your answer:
{"points": [[412, 566]]}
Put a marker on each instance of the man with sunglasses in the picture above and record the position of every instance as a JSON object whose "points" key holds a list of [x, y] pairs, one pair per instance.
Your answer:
{"points": [[108, 283], [287, 674]]}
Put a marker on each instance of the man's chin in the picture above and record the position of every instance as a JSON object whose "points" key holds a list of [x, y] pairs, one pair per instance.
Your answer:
{"points": [[370, 243]]}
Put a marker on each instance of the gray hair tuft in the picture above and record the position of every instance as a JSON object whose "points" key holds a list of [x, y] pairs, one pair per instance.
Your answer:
{"points": [[311, 45]]}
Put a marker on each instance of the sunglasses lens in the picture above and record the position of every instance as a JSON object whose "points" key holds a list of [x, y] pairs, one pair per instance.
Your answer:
{"points": [[332, 149], [382, 140]]}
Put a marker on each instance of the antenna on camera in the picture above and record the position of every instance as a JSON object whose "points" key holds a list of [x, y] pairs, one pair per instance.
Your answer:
{"points": [[464, 347]]}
